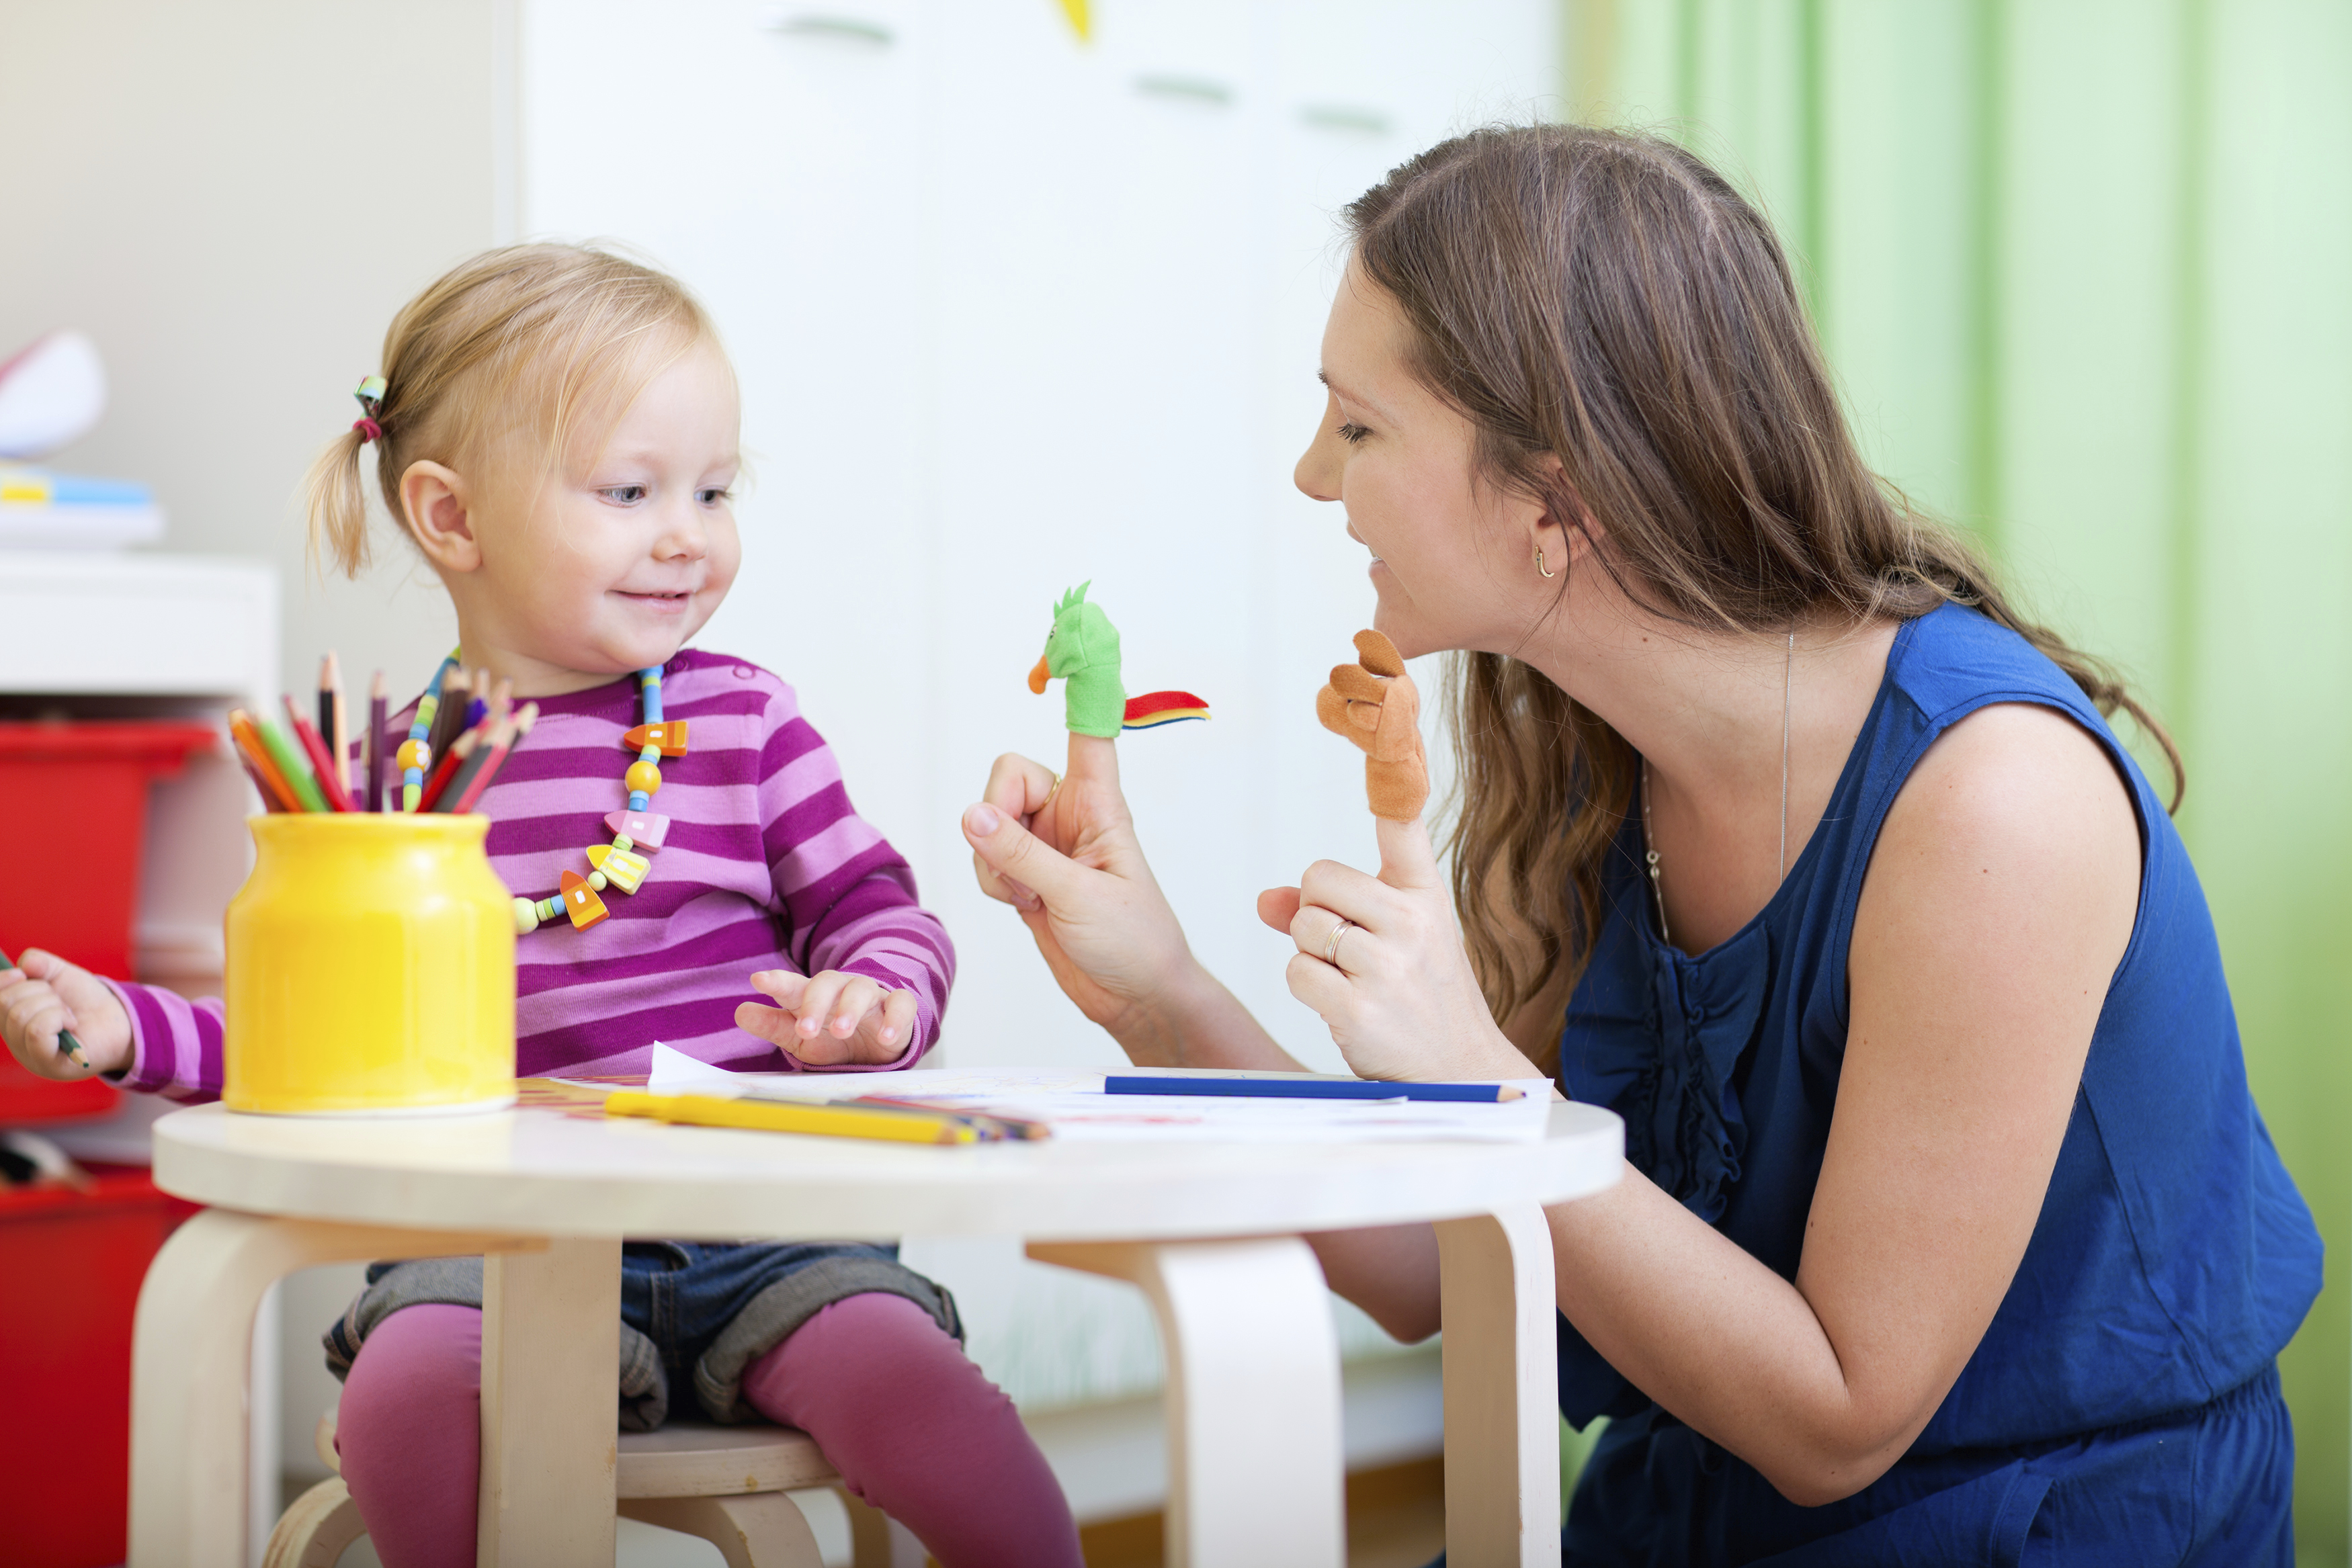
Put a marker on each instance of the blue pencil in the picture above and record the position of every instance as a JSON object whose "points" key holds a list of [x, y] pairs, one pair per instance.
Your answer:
{"points": [[1310, 1089]]}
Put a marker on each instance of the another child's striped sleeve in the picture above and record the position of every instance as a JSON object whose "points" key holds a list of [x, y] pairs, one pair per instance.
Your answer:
{"points": [[175, 1044], [849, 897]]}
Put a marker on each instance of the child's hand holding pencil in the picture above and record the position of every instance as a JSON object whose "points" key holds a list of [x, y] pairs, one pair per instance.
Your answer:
{"points": [[44, 1001]]}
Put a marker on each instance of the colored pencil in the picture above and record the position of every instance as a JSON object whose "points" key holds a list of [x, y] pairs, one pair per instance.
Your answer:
{"points": [[1303, 1088], [449, 718], [990, 1128], [66, 1040], [438, 783], [774, 1117], [379, 717], [504, 733], [334, 726], [323, 766], [274, 787], [288, 756]]}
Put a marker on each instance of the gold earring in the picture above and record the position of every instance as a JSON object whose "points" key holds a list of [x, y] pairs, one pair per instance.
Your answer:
{"points": [[1539, 565]]}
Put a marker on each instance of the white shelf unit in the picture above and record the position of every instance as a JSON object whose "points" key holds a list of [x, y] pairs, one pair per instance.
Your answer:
{"points": [[161, 636]]}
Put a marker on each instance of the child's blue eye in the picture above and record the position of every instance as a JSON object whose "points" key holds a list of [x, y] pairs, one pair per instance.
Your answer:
{"points": [[712, 497], [625, 495]]}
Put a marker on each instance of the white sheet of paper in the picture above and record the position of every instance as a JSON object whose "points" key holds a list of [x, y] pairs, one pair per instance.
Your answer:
{"points": [[674, 1073], [1076, 1107]]}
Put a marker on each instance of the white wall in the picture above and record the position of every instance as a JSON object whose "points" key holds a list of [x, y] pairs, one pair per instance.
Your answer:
{"points": [[1014, 312], [233, 199]]}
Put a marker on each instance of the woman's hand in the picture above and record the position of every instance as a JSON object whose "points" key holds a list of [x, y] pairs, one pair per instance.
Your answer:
{"points": [[1396, 990], [44, 994], [1066, 857], [830, 1018]]}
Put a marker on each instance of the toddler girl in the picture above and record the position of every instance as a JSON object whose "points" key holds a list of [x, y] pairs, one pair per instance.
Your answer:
{"points": [[557, 430]]}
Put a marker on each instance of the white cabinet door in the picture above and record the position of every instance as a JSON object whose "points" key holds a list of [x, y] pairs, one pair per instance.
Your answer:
{"points": [[1015, 311], [770, 156]]}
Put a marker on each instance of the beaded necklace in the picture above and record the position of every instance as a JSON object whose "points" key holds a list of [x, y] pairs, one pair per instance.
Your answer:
{"points": [[616, 867]]}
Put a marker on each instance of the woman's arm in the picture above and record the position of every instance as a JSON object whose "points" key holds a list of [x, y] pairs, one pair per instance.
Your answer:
{"points": [[2000, 899]]}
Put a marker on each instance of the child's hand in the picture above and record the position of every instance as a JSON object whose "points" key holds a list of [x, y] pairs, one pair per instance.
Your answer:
{"points": [[830, 1020], [44, 994]]}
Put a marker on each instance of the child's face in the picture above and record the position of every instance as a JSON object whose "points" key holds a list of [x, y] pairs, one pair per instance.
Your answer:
{"points": [[613, 563]]}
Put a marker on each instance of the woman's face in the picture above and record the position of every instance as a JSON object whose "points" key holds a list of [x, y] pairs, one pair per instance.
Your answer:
{"points": [[1447, 552]]}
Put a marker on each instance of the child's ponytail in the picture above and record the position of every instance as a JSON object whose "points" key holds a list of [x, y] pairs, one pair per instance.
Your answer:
{"points": [[515, 341], [335, 504]]}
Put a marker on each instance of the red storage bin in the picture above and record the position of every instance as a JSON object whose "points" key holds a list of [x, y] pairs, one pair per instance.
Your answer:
{"points": [[70, 1266], [74, 798]]}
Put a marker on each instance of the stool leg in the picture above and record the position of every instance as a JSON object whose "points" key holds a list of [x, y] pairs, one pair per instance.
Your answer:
{"points": [[876, 1539], [551, 1393], [759, 1530], [191, 1363], [314, 1531], [1253, 1401], [1502, 1390]]}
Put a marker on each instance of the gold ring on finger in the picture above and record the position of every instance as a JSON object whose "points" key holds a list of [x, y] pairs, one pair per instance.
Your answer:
{"points": [[1331, 942]]}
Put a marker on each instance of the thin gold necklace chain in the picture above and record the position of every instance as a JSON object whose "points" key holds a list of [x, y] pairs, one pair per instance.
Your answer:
{"points": [[1649, 842]]}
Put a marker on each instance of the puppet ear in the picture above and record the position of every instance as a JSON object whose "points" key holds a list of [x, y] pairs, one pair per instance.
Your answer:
{"points": [[1378, 653], [1331, 710], [1350, 682]]}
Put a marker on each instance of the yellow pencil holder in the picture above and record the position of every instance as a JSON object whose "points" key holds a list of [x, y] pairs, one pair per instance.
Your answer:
{"points": [[371, 968]]}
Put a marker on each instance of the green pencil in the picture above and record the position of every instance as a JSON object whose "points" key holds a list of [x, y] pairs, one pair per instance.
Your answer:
{"points": [[66, 1040], [293, 764]]}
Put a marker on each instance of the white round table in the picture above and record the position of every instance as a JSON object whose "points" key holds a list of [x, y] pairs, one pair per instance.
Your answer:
{"points": [[1209, 1231]]}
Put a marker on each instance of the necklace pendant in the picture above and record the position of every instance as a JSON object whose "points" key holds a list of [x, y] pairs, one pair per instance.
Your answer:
{"points": [[644, 830], [622, 870]]}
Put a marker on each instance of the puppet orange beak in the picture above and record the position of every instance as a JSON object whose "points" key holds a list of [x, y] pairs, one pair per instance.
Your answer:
{"points": [[1039, 676]]}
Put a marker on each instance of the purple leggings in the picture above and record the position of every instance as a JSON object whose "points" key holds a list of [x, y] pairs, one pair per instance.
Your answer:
{"points": [[912, 1425]]}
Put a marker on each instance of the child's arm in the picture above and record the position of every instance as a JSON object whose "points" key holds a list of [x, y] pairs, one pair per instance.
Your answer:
{"points": [[877, 961], [141, 1037]]}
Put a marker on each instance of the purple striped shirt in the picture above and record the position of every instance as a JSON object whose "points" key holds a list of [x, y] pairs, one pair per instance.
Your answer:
{"points": [[766, 866]]}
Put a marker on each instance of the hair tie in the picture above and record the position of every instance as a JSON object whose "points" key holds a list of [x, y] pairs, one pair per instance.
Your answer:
{"points": [[371, 396]]}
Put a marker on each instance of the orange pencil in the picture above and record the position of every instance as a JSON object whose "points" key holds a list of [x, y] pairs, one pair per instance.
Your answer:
{"points": [[242, 730]]}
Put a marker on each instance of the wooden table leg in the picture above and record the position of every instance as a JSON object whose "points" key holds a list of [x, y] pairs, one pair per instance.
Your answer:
{"points": [[1255, 1467], [550, 1377], [191, 1365], [1502, 1392]]}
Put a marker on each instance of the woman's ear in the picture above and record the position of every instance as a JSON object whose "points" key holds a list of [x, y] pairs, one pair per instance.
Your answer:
{"points": [[433, 509], [1566, 530]]}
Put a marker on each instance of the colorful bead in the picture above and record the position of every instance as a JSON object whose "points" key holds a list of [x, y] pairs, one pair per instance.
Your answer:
{"points": [[618, 866], [622, 841], [596, 881], [670, 739], [642, 778], [580, 901], [412, 754], [644, 831], [639, 800], [525, 916]]}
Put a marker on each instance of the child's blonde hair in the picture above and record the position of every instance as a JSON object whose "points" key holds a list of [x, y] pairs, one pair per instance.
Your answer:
{"points": [[517, 340]]}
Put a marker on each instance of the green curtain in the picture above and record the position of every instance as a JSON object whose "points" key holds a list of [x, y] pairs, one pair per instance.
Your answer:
{"points": [[2081, 267]]}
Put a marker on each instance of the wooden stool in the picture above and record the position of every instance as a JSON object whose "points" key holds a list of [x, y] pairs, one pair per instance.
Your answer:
{"points": [[725, 1484]]}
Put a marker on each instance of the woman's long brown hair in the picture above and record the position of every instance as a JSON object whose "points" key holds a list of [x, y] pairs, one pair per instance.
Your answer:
{"points": [[1608, 298]]}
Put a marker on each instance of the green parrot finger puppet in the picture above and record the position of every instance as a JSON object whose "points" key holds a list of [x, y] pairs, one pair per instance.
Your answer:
{"points": [[1374, 703], [1083, 650]]}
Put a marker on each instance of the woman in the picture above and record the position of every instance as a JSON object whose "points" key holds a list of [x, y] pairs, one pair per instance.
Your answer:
{"points": [[1948, 1231]]}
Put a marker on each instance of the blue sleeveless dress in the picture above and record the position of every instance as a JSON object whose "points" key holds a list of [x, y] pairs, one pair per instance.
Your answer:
{"points": [[2123, 1405]]}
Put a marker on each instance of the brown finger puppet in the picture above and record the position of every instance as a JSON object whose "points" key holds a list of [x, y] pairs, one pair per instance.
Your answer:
{"points": [[1373, 703]]}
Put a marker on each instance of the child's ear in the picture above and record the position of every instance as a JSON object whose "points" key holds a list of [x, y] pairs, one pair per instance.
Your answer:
{"points": [[433, 509]]}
